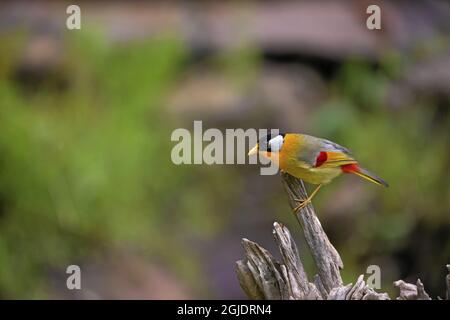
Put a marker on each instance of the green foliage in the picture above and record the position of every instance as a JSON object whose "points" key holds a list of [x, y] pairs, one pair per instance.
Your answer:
{"points": [[87, 167]]}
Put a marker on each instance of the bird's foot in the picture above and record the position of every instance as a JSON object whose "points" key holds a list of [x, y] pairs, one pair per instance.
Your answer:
{"points": [[301, 204], [304, 202]]}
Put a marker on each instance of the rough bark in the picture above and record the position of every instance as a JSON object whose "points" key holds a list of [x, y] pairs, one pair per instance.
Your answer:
{"points": [[326, 258], [261, 276]]}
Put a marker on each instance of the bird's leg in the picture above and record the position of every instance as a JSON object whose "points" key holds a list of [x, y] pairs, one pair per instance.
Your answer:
{"points": [[304, 202]]}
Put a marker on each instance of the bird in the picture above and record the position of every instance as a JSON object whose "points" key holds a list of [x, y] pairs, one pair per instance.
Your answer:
{"points": [[314, 160]]}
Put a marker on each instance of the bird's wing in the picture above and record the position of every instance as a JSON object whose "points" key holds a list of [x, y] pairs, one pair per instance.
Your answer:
{"points": [[315, 152], [333, 155]]}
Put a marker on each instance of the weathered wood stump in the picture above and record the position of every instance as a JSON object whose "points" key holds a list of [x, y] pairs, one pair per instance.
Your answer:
{"points": [[262, 277]]}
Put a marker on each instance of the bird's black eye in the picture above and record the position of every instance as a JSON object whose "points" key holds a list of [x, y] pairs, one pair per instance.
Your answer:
{"points": [[268, 138]]}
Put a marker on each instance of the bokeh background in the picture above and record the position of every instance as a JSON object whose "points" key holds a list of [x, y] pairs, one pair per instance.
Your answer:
{"points": [[86, 118]]}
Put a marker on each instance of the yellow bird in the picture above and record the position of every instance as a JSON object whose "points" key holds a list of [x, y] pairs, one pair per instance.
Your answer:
{"points": [[314, 160]]}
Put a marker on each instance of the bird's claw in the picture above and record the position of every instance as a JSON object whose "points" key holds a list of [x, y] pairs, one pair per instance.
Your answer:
{"points": [[301, 204]]}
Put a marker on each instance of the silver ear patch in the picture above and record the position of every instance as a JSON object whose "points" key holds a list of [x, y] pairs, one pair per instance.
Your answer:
{"points": [[276, 143]]}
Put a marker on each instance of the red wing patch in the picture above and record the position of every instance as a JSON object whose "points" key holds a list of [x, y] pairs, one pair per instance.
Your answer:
{"points": [[321, 159], [348, 168]]}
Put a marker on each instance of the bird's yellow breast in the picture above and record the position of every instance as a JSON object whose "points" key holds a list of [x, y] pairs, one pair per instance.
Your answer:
{"points": [[313, 175]]}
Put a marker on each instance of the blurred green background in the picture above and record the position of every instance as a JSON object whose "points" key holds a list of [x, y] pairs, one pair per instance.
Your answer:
{"points": [[86, 118]]}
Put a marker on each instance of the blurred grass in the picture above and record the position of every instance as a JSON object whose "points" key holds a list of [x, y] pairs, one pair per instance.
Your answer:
{"points": [[87, 168]]}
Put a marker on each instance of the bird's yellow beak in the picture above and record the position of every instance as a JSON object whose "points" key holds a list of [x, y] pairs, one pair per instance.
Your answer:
{"points": [[254, 150]]}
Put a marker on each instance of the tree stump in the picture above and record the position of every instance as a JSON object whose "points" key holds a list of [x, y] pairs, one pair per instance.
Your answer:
{"points": [[261, 276]]}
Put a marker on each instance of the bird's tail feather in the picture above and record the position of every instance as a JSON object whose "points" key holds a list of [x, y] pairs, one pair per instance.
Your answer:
{"points": [[363, 173]]}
